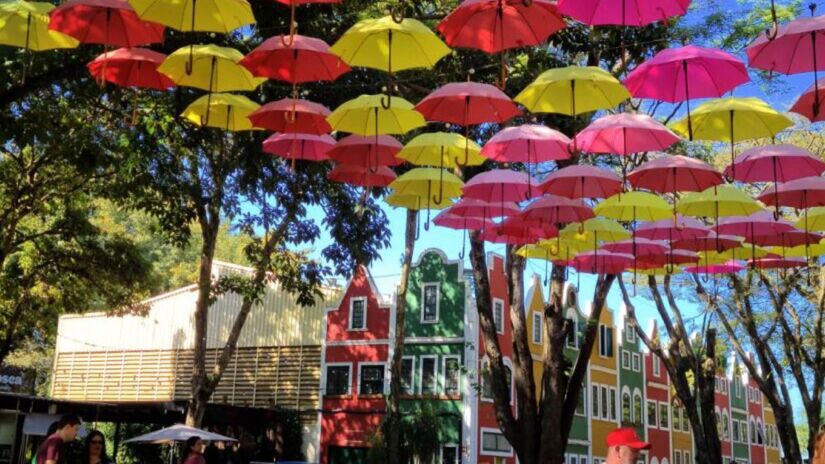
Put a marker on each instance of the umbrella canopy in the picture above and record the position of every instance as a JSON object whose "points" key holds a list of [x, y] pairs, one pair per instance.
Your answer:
{"points": [[551, 250], [594, 230], [222, 111], [223, 16], [682, 228], [365, 115], [799, 193], [582, 181], [797, 47], [177, 433], [742, 252], [441, 150], [210, 68], [674, 173], [572, 91], [775, 163], [363, 150], [26, 25], [515, 226], [499, 185], [815, 219], [528, 143], [733, 119], [106, 22], [306, 2], [468, 104], [681, 74], [305, 59], [708, 242], [389, 46], [624, 134], [634, 206], [131, 67], [554, 210], [471, 207], [361, 176], [789, 239], [804, 105], [622, 12], [802, 251], [777, 262], [306, 147], [638, 247], [716, 202], [759, 224], [667, 258], [416, 202], [423, 182], [292, 115], [495, 25], [450, 220], [602, 262], [729, 267]]}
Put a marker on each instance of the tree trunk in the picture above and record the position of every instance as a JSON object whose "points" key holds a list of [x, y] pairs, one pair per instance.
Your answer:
{"points": [[706, 386], [394, 410]]}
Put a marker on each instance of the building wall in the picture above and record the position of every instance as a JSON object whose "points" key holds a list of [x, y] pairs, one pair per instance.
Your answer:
{"points": [[772, 448], [756, 425], [603, 374], [535, 314], [657, 390], [631, 374], [739, 411], [724, 425]]}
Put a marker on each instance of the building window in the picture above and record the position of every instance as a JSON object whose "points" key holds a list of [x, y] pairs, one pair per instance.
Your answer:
{"points": [[429, 312], [627, 408], [637, 362], [573, 335], [452, 376], [338, 380], [449, 454], [613, 404], [428, 375], [372, 380], [725, 426], [625, 360], [358, 313], [582, 401], [652, 414], [687, 457], [486, 382], [630, 332], [664, 416], [637, 408], [736, 431], [605, 402], [655, 361], [737, 386], [605, 341], [677, 457], [677, 420], [744, 429], [508, 379], [594, 402], [538, 328], [494, 443], [407, 369], [685, 421], [498, 315]]}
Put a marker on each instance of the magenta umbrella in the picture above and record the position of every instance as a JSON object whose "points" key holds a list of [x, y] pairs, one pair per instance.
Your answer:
{"points": [[672, 230], [637, 248], [361, 175], [777, 262], [555, 210], [759, 224], [675, 173], [516, 225], [670, 258], [635, 13], [730, 267], [602, 262], [805, 103], [449, 219], [681, 74], [472, 207], [499, 185], [514, 234], [709, 242], [292, 115], [790, 239], [582, 181], [367, 151], [306, 147], [624, 134]]}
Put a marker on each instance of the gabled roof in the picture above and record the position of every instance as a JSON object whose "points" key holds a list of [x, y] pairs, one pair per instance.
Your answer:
{"points": [[382, 302]]}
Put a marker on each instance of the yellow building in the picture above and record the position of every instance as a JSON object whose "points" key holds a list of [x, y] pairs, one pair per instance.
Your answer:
{"points": [[602, 393], [535, 328], [680, 435], [772, 448]]}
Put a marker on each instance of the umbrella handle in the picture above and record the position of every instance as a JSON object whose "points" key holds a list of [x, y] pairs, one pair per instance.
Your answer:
{"points": [[190, 62], [417, 223], [386, 103], [704, 278], [772, 31], [463, 244], [466, 161], [502, 82], [292, 29], [397, 12], [731, 285], [527, 3]]}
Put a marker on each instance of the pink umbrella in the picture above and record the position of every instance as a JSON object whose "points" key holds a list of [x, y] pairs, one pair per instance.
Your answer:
{"points": [[306, 147], [624, 134], [669, 229], [499, 185], [777, 262], [471, 207], [362, 176], [305, 59], [730, 267], [468, 104], [528, 143], [603, 262], [361, 150], [793, 48], [638, 247], [710, 242], [670, 258], [582, 181], [454, 219], [674, 173], [799, 193], [805, 104], [789, 239], [635, 13], [516, 226], [753, 227], [291, 115], [511, 235], [555, 210]]}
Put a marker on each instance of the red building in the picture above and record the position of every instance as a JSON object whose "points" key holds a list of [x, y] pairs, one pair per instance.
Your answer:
{"points": [[723, 414], [354, 370], [756, 424], [492, 447], [657, 392]]}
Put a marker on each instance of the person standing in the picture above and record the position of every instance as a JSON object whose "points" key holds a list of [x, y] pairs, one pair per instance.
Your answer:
{"points": [[624, 446], [94, 451], [52, 451], [194, 451]]}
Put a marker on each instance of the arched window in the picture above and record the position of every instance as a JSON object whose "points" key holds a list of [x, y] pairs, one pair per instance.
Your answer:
{"points": [[508, 377], [637, 408], [753, 431], [725, 425], [627, 408], [719, 423], [486, 383]]}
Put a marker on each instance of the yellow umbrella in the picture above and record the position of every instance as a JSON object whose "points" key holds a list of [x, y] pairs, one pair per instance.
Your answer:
{"points": [[572, 91], [365, 115], [658, 271], [548, 251], [800, 251], [732, 119], [634, 206], [222, 16], [224, 110], [210, 68], [740, 253], [416, 202], [594, 230], [421, 182], [26, 25], [815, 222], [389, 45], [441, 149], [716, 202]]}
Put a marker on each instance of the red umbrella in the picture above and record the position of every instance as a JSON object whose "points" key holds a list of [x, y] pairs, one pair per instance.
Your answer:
{"points": [[674, 173], [582, 181], [307, 147], [361, 150], [455, 220], [528, 143], [710, 242], [730, 267], [555, 210], [292, 24], [669, 259], [777, 262], [637, 247], [105, 22], [635, 13], [361, 176], [754, 228], [468, 104], [499, 185], [471, 207], [789, 239], [515, 226], [682, 228], [799, 193], [624, 134], [805, 103], [493, 26], [131, 67], [307, 59], [602, 262], [290, 115]]}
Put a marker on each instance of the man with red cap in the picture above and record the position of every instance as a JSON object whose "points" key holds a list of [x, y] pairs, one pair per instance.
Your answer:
{"points": [[624, 446]]}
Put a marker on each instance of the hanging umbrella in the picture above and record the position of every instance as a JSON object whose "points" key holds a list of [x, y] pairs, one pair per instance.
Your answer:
{"points": [[306, 59], [582, 181], [682, 228], [513, 236], [210, 68], [555, 210], [804, 105], [131, 67], [625, 134], [729, 267], [790, 239], [515, 226], [223, 16], [390, 46], [499, 185], [760, 228], [737, 253], [634, 206], [798, 193], [542, 251], [290, 115], [441, 150], [26, 25], [716, 202], [733, 120], [425, 181], [654, 270], [777, 262], [494, 26], [572, 91], [680, 74], [668, 259], [359, 175], [709, 242], [674, 173], [602, 262], [815, 219], [528, 143], [365, 115], [177, 433], [639, 247], [468, 104], [594, 230], [362, 151], [793, 48], [105, 22], [622, 12], [450, 220], [801, 251], [292, 23], [304, 147], [222, 111], [471, 207], [415, 202]]}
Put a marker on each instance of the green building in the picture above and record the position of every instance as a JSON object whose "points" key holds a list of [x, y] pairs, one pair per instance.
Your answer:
{"points": [[631, 374]]}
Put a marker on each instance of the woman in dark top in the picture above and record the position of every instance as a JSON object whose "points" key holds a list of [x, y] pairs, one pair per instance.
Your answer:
{"points": [[194, 451], [94, 451]]}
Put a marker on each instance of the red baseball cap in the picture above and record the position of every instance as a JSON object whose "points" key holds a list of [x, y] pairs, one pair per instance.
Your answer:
{"points": [[626, 437]]}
